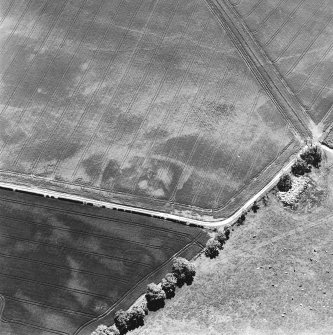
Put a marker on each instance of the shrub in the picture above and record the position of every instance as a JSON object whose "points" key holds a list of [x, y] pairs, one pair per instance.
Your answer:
{"points": [[144, 307], [300, 167], [240, 220], [285, 183], [312, 156], [169, 285], [212, 248], [114, 330], [221, 238], [183, 270], [105, 330], [122, 321], [265, 200], [255, 207], [136, 317], [227, 228], [155, 297]]}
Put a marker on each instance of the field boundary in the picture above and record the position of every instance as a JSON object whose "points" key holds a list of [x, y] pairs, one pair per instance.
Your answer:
{"points": [[207, 221]]}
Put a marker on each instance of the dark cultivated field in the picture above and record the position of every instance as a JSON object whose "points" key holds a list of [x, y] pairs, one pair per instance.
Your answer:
{"points": [[64, 265], [297, 37], [142, 102]]}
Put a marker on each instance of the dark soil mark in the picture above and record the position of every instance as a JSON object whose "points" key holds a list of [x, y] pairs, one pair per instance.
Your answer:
{"points": [[110, 171], [157, 133], [182, 145], [167, 58], [37, 77], [128, 123], [59, 149], [9, 133], [93, 165]]}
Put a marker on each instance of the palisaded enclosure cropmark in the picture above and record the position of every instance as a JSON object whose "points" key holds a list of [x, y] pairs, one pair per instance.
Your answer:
{"points": [[146, 103]]}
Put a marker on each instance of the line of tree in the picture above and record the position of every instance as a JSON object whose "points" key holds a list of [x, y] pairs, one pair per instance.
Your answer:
{"points": [[312, 157], [216, 243], [183, 272]]}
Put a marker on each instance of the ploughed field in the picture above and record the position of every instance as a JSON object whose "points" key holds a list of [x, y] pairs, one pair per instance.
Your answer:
{"points": [[142, 102], [63, 266], [297, 37]]}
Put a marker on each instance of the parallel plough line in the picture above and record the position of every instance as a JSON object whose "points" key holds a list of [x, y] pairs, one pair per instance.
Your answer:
{"points": [[134, 98], [217, 147], [187, 115], [87, 233], [95, 216], [133, 288], [45, 109], [26, 107], [298, 32], [165, 119], [34, 58], [312, 42], [89, 105], [124, 75], [284, 23], [63, 248], [262, 75]]}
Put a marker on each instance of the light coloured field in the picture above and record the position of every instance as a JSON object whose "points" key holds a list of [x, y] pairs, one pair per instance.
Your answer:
{"points": [[297, 37], [142, 102]]}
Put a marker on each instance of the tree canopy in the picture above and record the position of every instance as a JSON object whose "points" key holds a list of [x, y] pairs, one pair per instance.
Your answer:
{"points": [[105, 330], [155, 297], [183, 270], [136, 317], [312, 156], [285, 183], [122, 321], [168, 285], [212, 248], [300, 167], [221, 238]]}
